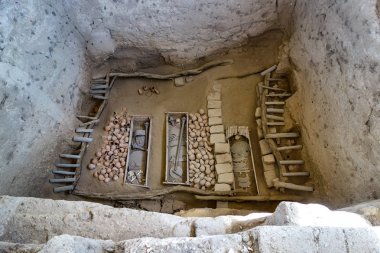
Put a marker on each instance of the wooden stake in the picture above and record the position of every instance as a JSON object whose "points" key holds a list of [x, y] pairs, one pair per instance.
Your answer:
{"points": [[82, 139], [64, 188], [62, 172], [296, 174], [84, 130], [62, 180], [279, 95], [275, 103], [289, 147], [289, 162], [275, 110], [70, 156], [281, 135], [67, 165], [274, 117], [275, 123], [278, 184]]}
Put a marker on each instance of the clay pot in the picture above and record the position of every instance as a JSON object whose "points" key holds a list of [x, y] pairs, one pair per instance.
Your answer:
{"points": [[103, 171], [91, 166], [101, 177], [107, 179]]}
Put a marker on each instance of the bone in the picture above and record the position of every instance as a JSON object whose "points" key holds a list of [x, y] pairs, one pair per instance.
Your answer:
{"points": [[296, 174]]}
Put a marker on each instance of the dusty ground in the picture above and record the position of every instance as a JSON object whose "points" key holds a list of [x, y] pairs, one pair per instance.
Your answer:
{"points": [[238, 101]]}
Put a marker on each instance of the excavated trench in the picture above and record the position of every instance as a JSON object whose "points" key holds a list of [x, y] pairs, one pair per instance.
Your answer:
{"points": [[286, 109]]}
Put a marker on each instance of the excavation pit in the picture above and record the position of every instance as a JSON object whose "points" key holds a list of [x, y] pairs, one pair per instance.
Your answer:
{"points": [[229, 91]]}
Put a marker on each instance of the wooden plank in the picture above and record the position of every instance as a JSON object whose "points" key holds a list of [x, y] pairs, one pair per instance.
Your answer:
{"points": [[275, 110]]}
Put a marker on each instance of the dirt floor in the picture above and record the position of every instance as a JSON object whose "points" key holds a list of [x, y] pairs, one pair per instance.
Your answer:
{"points": [[238, 106]]}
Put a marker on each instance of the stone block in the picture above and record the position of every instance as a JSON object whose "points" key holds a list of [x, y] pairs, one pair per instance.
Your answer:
{"points": [[268, 167], [214, 121], [269, 175], [259, 123], [217, 86], [223, 168], [269, 159], [217, 129], [221, 148], [223, 158], [264, 147], [296, 214], [214, 96], [214, 104], [215, 138], [215, 113], [227, 178], [179, 81], [258, 112], [260, 133], [222, 187]]}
